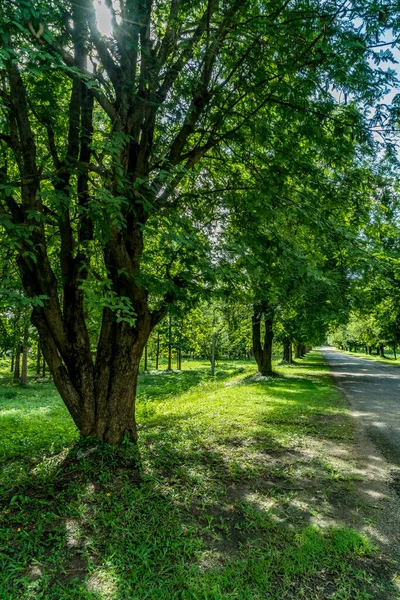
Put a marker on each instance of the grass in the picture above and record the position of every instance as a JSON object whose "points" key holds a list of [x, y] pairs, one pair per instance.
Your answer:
{"points": [[388, 359], [245, 494]]}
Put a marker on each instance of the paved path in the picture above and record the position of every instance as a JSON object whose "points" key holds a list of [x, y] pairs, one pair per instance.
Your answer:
{"points": [[373, 392]]}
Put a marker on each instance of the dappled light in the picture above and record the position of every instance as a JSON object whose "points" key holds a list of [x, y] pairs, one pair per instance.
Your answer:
{"points": [[238, 479]]}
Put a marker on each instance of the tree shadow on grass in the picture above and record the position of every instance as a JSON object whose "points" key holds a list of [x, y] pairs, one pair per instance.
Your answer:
{"points": [[215, 517], [201, 524]]}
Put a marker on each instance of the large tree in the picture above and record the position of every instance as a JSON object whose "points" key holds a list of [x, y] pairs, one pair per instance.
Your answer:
{"points": [[99, 135]]}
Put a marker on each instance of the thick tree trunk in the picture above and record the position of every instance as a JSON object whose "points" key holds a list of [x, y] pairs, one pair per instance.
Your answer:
{"points": [[369, 350], [263, 351], [297, 351], [101, 398], [381, 351], [17, 366], [25, 350]]}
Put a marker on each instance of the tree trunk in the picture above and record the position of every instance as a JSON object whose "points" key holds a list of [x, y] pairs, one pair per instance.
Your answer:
{"points": [[213, 343], [145, 358], [44, 368], [297, 352], [381, 351], [12, 361], [169, 343], [25, 350], [286, 350], [290, 353], [179, 359], [17, 365], [157, 350], [263, 352], [38, 358]]}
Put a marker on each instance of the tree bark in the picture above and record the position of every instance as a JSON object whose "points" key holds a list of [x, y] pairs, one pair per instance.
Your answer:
{"points": [[263, 351], [38, 358], [286, 350], [145, 358], [297, 351], [169, 343], [381, 351], [12, 361], [157, 350], [25, 350], [17, 366], [179, 359], [213, 343]]}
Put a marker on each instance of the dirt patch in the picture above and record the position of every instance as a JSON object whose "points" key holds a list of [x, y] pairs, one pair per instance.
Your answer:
{"points": [[76, 569]]}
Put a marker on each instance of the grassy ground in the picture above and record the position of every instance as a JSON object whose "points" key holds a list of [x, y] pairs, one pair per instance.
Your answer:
{"points": [[388, 360], [247, 494]]}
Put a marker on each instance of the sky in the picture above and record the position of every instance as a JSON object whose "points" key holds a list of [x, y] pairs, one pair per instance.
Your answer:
{"points": [[104, 25]]}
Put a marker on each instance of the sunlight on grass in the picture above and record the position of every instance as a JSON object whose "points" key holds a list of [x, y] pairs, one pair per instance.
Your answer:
{"points": [[241, 497]]}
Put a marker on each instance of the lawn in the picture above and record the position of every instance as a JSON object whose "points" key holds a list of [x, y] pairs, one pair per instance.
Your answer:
{"points": [[388, 359], [246, 493]]}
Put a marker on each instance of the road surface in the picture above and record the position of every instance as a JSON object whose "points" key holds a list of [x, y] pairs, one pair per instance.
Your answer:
{"points": [[373, 391]]}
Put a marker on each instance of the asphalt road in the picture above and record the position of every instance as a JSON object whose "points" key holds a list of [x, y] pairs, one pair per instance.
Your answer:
{"points": [[373, 392]]}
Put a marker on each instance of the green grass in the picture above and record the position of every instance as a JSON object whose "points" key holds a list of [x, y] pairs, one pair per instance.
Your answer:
{"points": [[388, 360], [242, 495]]}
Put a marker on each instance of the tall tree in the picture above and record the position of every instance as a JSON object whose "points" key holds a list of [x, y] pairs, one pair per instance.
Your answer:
{"points": [[99, 137]]}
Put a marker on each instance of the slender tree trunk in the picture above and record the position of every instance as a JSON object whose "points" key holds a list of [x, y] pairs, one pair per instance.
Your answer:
{"points": [[145, 358], [44, 368], [25, 350], [158, 350], [17, 365], [297, 352], [213, 343], [290, 353], [394, 352], [381, 351], [12, 360], [38, 358], [179, 359], [263, 351], [286, 350], [169, 343]]}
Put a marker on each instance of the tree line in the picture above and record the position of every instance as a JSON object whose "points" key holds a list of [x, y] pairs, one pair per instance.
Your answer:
{"points": [[202, 150]]}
